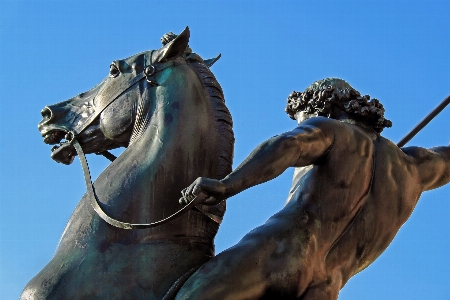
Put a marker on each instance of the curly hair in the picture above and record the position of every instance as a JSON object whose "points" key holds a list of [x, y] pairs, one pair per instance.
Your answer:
{"points": [[322, 95]]}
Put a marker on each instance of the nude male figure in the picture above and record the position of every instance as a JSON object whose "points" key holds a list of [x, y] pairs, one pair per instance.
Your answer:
{"points": [[351, 193]]}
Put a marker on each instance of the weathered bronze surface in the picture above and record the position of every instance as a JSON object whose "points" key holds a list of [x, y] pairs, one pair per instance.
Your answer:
{"points": [[167, 108], [352, 191], [352, 188]]}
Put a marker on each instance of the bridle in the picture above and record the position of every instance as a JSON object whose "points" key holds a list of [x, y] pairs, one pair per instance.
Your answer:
{"points": [[111, 93]]}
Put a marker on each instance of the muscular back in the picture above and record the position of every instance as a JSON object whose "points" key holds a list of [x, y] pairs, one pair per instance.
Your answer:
{"points": [[338, 183], [361, 191]]}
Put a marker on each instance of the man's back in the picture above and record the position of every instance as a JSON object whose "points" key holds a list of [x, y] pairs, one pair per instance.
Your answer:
{"points": [[360, 193], [335, 186]]}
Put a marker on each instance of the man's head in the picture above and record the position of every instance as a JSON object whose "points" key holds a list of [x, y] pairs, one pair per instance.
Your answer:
{"points": [[325, 96]]}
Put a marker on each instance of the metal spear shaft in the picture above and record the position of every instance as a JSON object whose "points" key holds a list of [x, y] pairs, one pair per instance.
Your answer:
{"points": [[424, 122]]}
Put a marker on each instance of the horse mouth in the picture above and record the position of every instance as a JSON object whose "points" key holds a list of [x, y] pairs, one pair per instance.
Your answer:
{"points": [[62, 151]]}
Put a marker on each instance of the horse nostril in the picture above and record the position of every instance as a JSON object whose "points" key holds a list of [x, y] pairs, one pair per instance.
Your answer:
{"points": [[46, 113]]}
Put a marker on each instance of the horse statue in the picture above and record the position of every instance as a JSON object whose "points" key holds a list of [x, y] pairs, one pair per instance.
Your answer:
{"points": [[167, 108]]}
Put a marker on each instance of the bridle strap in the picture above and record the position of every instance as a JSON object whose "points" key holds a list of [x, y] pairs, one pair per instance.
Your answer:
{"points": [[96, 205], [112, 92]]}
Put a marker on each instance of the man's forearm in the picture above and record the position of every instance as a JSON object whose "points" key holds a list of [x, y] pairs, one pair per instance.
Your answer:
{"points": [[267, 161]]}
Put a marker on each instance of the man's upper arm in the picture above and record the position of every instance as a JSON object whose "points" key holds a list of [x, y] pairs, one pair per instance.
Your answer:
{"points": [[432, 164], [314, 138]]}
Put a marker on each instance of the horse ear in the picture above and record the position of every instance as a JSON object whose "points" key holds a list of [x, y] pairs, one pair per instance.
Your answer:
{"points": [[211, 61], [175, 48]]}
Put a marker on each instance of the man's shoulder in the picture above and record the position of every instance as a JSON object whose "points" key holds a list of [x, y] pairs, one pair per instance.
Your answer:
{"points": [[343, 132], [320, 128], [323, 123]]}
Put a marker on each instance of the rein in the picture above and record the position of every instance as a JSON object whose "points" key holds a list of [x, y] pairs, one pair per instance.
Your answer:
{"points": [[113, 92], [102, 214]]}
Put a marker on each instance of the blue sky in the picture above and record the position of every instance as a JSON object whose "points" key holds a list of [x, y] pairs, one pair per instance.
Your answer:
{"points": [[396, 51]]}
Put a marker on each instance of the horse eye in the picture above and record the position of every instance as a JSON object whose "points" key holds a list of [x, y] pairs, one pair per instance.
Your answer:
{"points": [[113, 71]]}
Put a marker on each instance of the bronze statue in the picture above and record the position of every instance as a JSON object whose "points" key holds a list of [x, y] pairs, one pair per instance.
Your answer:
{"points": [[168, 109], [352, 191]]}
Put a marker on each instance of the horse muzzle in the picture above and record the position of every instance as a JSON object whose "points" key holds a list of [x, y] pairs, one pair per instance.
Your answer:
{"points": [[53, 134], [63, 150]]}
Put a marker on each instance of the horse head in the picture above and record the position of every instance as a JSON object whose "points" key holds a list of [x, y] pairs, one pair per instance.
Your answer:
{"points": [[104, 117]]}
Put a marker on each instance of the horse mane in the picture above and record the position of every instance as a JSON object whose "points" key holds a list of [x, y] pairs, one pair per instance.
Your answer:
{"points": [[224, 123]]}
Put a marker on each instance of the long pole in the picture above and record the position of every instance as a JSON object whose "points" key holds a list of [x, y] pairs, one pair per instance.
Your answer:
{"points": [[424, 122]]}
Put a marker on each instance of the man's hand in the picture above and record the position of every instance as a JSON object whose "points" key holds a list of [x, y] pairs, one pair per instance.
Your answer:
{"points": [[204, 190]]}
